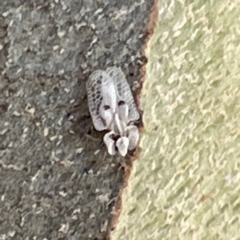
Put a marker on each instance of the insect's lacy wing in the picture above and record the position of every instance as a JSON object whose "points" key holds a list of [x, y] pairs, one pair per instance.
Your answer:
{"points": [[95, 98], [124, 91]]}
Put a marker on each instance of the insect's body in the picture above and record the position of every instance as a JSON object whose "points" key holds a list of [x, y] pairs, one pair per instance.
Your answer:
{"points": [[123, 112], [112, 107], [108, 107]]}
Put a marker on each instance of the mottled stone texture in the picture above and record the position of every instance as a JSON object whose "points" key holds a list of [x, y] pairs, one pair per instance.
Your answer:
{"points": [[56, 179]]}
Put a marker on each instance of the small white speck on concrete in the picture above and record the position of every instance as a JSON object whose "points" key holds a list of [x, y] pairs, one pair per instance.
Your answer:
{"points": [[64, 228], [10, 106], [61, 34], [17, 114], [35, 41], [61, 72], [62, 50], [79, 150], [71, 117], [90, 171], [24, 136], [55, 47], [74, 217], [6, 124], [2, 197], [34, 178], [67, 90], [83, 65], [79, 25], [103, 198], [89, 53], [58, 151], [22, 221], [30, 109], [104, 227], [94, 41], [59, 123], [1, 47], [19, 70], [98, 11], [43, 93], [3, 131], [53, 138], [52, 5], [11, 23], [3, 236], [64, 6], [62, 193], [11, 233], [45, 132], [5, 14], [96, 152]]}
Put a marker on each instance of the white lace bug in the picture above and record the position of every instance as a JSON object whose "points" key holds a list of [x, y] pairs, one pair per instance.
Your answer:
{"points": [[112, 107]]}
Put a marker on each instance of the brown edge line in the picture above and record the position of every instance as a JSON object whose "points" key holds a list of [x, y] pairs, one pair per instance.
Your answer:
{"points": [[128, 168]]}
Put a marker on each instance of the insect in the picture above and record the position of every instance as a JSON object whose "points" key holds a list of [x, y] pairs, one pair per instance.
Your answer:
{"points": [[112, 108]]}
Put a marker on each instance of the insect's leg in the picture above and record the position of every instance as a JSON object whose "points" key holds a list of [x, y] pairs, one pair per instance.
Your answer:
{"points": [[133, 136], [110, 143], [92, 138]]}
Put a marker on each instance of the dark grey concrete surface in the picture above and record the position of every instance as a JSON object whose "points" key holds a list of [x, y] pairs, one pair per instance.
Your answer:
{"points": [[56, 179]]}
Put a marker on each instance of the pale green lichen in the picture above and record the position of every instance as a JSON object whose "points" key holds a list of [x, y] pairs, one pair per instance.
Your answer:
{"points": [[186, 183]]}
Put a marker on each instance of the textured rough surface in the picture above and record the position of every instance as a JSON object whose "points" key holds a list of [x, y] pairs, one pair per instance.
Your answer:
{"points": [[56, 180], [185, 185]]}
